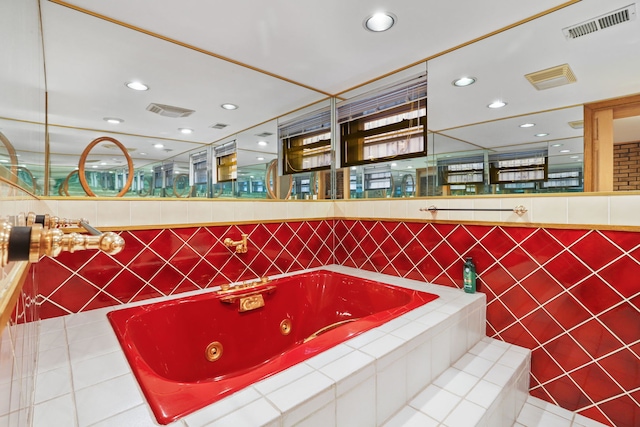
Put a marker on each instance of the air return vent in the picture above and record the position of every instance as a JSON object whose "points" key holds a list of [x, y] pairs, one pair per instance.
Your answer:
{"points": [[169, 110], [578, 124], [551, 77], [219, 126], [627, 13]]}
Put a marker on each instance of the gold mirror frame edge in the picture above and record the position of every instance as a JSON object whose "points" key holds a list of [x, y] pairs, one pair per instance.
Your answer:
{"points": [[83, 160]]}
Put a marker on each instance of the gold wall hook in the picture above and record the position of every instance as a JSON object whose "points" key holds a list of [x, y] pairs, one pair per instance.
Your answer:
{"points": [[241, 245]]}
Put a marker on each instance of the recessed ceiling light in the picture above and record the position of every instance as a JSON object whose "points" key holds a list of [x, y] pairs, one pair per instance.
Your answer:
{"points": [[137, 86], [259, 158], [565, 151], [545, 134], [527, 125], [4, 161], [464, 81], [143, 154], [103, 163], [352, 167], [113, 120], [497, 104], [394, 164], [574, 157], [380, 21], [95, 166], [263, 143], [158, 146], [185, 130], [409, 167], [229, 106], [556, 145]]}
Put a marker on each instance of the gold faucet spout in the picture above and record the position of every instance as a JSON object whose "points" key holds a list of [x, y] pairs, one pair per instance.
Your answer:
{"points": [[240, 245]]}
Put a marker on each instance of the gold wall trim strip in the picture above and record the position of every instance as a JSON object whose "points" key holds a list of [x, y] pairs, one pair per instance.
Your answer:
{"points": [[185, 45], [603, 227]]}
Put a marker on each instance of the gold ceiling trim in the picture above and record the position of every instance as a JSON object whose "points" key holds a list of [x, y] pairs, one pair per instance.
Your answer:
{"points": [[185, 45]]}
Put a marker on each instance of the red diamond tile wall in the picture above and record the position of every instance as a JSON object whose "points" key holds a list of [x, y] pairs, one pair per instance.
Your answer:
{"points": [[571, 296], [165, 262]]}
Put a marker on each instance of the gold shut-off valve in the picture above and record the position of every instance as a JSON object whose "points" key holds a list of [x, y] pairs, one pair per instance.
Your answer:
{"points": [[22, 243]]}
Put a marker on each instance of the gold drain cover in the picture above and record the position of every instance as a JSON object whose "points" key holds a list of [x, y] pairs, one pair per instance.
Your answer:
{"points": [[213, 351], [285, 327]]}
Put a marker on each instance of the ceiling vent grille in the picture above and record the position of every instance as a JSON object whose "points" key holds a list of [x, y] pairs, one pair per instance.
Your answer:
{"points": [[625, 14], [169, 110], [552, 77], [219, 126], [264, 134]]}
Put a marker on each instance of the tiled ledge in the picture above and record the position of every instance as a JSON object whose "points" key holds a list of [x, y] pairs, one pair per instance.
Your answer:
{"points": [[589, 209], [83, 378]]}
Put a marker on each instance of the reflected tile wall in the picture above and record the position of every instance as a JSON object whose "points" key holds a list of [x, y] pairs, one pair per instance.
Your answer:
{"points": [[19, 338], [572, 296]]}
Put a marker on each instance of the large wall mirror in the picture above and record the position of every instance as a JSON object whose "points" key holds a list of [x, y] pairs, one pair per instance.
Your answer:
{"points": [[183, 143]]}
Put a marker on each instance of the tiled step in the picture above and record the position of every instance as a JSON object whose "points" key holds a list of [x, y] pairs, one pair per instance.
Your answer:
{"points": [[486, 387], [538, 413]]}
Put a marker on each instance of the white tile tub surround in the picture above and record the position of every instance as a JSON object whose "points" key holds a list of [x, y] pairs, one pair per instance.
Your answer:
{"points": [[381, 368]]}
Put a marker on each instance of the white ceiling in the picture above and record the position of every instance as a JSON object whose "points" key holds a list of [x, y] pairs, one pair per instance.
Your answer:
{"points": [[272, 58]]}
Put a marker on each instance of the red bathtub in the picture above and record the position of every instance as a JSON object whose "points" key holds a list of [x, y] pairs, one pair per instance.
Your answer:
{"points": [[190, 352]]}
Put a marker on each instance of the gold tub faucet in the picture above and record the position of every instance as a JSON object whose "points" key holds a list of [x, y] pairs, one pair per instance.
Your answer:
{"points": [[241, 245]]}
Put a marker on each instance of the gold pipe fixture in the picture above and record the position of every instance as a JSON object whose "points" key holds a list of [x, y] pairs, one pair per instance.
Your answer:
{"points": [[49, 221], [20, 243], [241, 245]]}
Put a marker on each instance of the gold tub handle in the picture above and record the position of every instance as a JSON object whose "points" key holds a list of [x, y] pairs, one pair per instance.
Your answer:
{"points": [[328, 328]]}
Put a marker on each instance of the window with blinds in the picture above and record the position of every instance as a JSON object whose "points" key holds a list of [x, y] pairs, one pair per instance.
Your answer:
{"points": [[388, 124], [306, 143], [226, 162], [526, 166]]}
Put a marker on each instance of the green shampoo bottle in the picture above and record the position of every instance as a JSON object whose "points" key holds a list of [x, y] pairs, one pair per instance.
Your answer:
{"points": [[469, 276]]}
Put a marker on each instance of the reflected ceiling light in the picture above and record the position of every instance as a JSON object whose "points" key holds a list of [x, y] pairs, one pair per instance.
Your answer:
{"points": [[143, 154], [394, 164], [95, 166], [545, 134], [158, 146], [259, 158], [262, 143], [527, 125], [137, 86], [574, 157], [352, 167], [379, 22], [186, 131], [464, 81], [565, 151], [556, 145], [497, 104], [103, 163], [409, 167], [4, 161], [113, 120], [229, 106]]}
